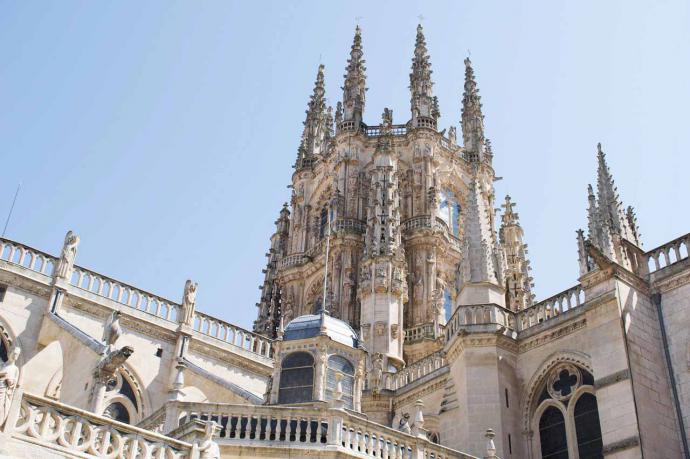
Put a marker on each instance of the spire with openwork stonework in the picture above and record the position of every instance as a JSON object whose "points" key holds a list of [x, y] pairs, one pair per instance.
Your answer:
{"points": [[424, 105], [472, 117], [354, 88], [316, 128], [518, 280]]}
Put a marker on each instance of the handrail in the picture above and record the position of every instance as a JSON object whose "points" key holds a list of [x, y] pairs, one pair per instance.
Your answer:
{"points": [[667, 254]]}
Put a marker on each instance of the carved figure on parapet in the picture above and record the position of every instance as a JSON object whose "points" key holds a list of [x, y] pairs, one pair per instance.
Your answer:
{"points": [[68, 255], [377, 373], [111, 332], [9, 377], [208, 448], [452, 136], [404, 424], [189, 302]]}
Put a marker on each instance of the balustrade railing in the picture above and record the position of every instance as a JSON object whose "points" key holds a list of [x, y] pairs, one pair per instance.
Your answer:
{"points": [[668, 254], [479, 314], [124, 294], [416, 371], [79, 433], [22, 255], [349, 225], [421, 332], [310, 426], [232, 334], [375, 131], [551, 307]]}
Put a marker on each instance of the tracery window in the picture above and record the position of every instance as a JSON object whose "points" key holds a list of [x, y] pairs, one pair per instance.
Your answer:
{"points": [[296, 378], [121, 400], [567, 409], [323, 222], [449, 211], [338, 365], [447, 304]]}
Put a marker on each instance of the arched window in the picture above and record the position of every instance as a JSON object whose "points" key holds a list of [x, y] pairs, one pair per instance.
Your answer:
{"points": [[567, 409], [552, 434], [323, 222], [296, 378], [447, 304], [122, 401], [589, 442], [338, 365], [449, 211]]}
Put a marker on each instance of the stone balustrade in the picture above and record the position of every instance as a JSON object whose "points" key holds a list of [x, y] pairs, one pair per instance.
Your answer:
{"points": [[32, 259], [79, 433], [433, 223], [551, 307], [82, 279], [420, 333], [478, 314], [315, 426], [349, 225], [124, 294], [232, 334], [668, 254], [416, 371]]}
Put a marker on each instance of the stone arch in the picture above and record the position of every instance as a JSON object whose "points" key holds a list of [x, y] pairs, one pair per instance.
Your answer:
{"points": [[531, 390]]}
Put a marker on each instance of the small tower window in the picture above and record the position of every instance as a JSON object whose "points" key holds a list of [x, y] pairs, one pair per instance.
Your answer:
{"points": [[296, 378], [340, 365], [447, 304], [323, 222]]}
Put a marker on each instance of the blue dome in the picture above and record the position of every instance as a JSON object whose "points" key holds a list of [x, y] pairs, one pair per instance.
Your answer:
{"points": [[309, 326]]}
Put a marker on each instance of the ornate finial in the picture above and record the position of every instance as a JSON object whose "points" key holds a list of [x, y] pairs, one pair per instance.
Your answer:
{"points": [[424, 105], [490, 446], [354, 88], [472, 117]]}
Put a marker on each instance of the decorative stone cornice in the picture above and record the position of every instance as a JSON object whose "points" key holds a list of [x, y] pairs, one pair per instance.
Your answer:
{"points": [[551, 335]]}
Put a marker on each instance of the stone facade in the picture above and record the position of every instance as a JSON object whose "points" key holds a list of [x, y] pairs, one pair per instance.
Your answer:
{"points": [[396, 320]]}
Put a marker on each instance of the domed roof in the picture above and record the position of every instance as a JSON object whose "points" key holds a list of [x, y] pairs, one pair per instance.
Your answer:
{"points": [[309, 326]]}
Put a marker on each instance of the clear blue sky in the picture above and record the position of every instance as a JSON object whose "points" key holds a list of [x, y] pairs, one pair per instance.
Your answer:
{"points": [[163, 132]]}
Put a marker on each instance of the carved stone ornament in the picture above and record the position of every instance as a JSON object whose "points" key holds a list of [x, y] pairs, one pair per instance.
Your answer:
{"points": [[395, 330], [9, 376], [563, 381], [380, 328]]}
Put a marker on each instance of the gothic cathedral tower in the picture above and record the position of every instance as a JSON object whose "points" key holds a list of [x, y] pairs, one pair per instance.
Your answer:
{"points": [[408, 215]]}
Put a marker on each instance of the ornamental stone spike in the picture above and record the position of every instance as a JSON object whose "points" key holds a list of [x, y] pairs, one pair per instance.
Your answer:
{"points": [[424, 105], [472, 117], [519, 281], [316, 129], [354, 88]]}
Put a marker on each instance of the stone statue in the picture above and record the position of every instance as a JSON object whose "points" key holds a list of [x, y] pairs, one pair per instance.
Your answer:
{"points": [[112, 331], [452, 136], [208, 448], [377, 373], [9, 376], [189, 302], [404, 425], [69, 253]]}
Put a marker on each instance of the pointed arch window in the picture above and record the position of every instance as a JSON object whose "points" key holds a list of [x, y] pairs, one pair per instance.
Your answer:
{"points": [[449, 211], [447, 304], [566, 415], [323, 222]]}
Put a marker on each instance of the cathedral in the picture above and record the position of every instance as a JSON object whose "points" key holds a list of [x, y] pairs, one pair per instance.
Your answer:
{"points": [[396, 319]]}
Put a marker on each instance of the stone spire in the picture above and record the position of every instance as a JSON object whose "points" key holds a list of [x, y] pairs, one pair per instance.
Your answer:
{"points": [[518, 280], [354, 89], [472, 118], [316, 128], [424, 105], [270, 314], [482, 266], [610, 210], [608, 222]]}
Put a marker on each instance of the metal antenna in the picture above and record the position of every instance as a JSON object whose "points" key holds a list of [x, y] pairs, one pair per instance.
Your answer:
{"points": [[358, 18], [9, 215]]}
